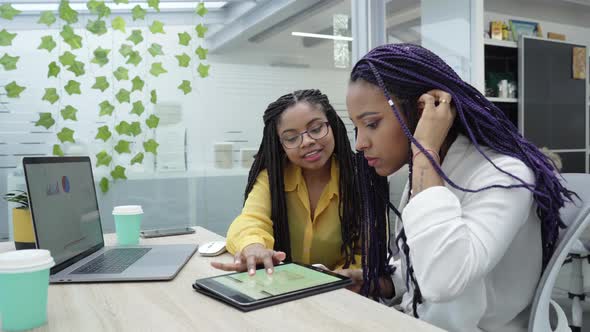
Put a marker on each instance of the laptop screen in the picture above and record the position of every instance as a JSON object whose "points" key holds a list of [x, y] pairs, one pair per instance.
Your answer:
{"points": [[63, 205]]}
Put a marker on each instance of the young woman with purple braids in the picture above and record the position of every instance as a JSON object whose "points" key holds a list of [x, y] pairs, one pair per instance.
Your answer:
{"points": [[480, 213]]}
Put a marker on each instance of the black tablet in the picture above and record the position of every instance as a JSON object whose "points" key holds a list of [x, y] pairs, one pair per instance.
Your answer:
{"points": [[289, 281]]}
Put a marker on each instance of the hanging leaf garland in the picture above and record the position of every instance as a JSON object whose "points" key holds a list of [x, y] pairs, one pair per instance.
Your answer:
{"points": [[8, 12], [100, 57], [8, 62], [47, 18], [47, 43]]}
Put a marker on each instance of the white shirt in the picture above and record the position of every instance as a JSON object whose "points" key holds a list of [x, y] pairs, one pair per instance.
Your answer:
{"points": [[477, 257]]}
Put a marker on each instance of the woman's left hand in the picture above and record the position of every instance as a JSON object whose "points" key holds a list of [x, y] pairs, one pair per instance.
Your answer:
{"points": [[435, 121], [356, 275], [387, 289]]}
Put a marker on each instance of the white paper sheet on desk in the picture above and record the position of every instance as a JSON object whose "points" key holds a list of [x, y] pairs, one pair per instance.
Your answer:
{"points": [[171, 155]]}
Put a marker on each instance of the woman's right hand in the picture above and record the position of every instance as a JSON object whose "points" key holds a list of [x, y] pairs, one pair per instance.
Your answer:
{"points": [[250, 256]]}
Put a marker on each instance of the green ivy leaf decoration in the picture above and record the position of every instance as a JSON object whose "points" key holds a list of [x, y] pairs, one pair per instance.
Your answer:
{"points": [[57, 151], [8, 12], [106, 108], [6, 38], [72, 39], [50, 95], [66, 135], [118, 23], [122, 147], [135, 37], [153, 97], [183, 60], [125, 50], [201, 30], [98, 7], [138, 159], [121, 74], [151, 146], [104, 185], [134, 58], [97, 27], [184, 38], [123, 128], [157, 69], [47, 18], [103, 133], [185, 86], [77, 68], [103, 158], [101, 83], [118, 173], [53, 69], [47, 43], [67, 59], [101, 56], [202, 53], [66, 12], [69, 113], [45, 120], [155, 49], [138, 108], [135, 128], [137, 84], [13, 90], [138, 13], [203, 70], [8, 62], [155, 4], [157, 27], [92, 5], [201, 9], [152, 122], [123, 96], [72, 87]]}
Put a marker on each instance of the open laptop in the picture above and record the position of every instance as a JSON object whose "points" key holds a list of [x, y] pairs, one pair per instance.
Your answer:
{"points": [[63, 203]]}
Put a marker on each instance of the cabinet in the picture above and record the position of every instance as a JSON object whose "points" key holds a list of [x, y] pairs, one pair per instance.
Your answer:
{"points": [[551, 107], [501, 62]]}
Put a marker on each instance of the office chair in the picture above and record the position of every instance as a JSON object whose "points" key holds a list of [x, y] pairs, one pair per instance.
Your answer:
{"points": [[577, 217]]}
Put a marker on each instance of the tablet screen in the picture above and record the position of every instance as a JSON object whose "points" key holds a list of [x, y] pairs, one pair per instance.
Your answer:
{"points": [[286, 278]]}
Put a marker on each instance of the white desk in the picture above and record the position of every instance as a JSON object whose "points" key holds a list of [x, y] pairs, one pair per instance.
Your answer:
{"points": [[174, 306]]}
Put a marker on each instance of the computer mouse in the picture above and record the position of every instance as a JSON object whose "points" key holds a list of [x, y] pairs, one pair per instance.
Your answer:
{"points": [[213, 248]]}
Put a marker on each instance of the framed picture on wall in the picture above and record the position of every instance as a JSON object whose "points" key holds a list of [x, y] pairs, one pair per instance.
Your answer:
{"points": [[524, 28]]}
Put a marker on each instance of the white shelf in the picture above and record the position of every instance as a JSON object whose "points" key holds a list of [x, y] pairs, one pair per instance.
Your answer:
{"points": [[502, 100], [501, 43]]}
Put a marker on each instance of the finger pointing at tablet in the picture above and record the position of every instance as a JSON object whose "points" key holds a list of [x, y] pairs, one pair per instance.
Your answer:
{"points": [[251, 256]]}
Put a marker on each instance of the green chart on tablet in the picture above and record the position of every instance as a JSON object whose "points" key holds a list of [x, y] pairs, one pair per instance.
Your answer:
{"points": [[286, 278]]}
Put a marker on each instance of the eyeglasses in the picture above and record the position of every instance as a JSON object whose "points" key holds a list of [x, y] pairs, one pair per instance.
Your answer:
{"points": [[316, 132]]}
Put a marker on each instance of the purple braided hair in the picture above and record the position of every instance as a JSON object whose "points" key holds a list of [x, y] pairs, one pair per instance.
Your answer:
{"points": [[410, 71]]}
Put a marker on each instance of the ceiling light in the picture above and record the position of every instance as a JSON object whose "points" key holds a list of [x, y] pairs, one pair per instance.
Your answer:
{"points": [[317, 35]]}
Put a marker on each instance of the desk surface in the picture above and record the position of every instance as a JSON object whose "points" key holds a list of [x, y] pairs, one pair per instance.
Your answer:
{"points": [[174, 306]]}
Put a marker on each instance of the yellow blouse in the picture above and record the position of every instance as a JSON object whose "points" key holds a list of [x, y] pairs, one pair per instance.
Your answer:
{"points": [[316, 240]]}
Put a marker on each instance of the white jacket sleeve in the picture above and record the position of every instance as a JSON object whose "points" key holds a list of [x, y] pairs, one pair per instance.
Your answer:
{"points": [[454, 242]]}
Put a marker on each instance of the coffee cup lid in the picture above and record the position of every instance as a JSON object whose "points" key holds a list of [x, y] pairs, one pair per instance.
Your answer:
{"points": [[28, 260], [127, 209]]}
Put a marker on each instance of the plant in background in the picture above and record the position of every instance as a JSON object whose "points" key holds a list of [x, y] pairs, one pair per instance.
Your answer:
{"points": [[19, 197], [58, 91]]}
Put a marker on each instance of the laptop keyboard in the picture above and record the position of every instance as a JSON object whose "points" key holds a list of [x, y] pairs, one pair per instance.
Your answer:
{"points": [[113, 261]]}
